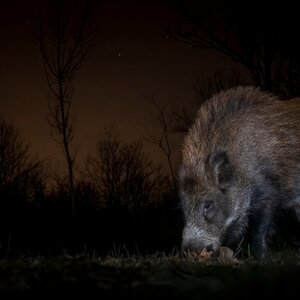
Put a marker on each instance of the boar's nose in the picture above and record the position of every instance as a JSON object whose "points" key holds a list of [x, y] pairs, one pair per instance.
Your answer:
{"points": [[192, 245], [189, 246]]}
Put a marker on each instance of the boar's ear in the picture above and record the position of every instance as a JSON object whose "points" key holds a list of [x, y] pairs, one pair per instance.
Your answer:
{"points": [[222, 169]]}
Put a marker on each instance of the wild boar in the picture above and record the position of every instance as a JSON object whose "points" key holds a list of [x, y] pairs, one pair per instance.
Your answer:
{"points": [[240, 169]]}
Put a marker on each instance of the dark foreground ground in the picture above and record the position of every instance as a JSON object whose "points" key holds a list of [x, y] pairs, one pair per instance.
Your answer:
{"points": [[149, 277]]}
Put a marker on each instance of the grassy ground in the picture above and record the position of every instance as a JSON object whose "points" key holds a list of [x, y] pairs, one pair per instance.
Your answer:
{"points": [[151, 277]]}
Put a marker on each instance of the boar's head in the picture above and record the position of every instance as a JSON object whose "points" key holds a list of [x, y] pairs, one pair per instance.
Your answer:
{"points": [[208, 197]]}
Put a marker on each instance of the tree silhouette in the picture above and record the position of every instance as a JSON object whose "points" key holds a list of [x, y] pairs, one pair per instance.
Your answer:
{"points": [[65, 37], [260, 37], [165, 119], [19, 172], [124, 175], [21, 184]]}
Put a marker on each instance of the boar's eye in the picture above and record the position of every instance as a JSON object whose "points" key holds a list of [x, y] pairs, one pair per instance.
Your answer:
{"points": [[208, 210]]}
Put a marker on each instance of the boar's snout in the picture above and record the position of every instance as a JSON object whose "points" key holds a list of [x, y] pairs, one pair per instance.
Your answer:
{"points": [[195, 246], [194, 239]]}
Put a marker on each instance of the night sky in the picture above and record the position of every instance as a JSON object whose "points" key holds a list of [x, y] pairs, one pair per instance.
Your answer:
{"points": [[133, 59]]}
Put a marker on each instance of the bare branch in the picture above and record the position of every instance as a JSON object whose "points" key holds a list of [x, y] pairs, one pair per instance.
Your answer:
{"points": [[262, 47], [65, 42], [166, 123], [124, 175]]}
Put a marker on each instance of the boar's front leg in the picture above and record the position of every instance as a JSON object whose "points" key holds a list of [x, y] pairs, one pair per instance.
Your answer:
{"points": [[260, 229], [234, 233]]}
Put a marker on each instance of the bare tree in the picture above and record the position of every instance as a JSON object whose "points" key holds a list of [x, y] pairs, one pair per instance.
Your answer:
{"points": [[260, 37], [19, 172], [65, 37], [124, 175], [165, 118]]}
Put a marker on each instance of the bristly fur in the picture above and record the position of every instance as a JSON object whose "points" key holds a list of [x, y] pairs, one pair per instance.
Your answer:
{"points": [[242, 154]]}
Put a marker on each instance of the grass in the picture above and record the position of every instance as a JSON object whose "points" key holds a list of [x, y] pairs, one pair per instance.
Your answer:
{"points": [[149, 277]]}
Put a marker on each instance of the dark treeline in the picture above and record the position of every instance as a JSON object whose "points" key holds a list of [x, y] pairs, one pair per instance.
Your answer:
{"points": [[122, 202], [119, 198]]}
